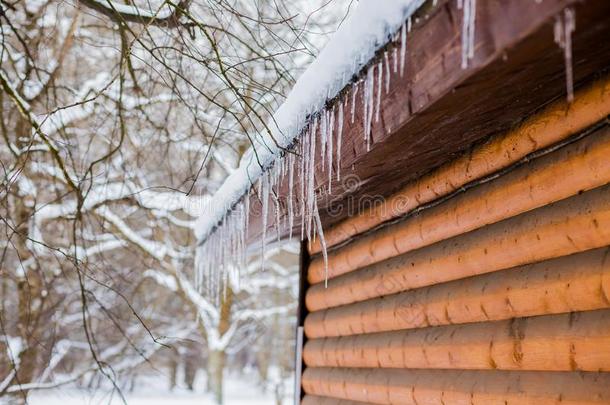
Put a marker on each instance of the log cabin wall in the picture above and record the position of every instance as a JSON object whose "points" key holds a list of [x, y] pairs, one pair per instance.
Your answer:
{"points": [[492, 287]]}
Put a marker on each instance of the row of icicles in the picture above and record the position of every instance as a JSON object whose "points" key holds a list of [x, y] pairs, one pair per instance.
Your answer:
{"points": [[224, 252]]}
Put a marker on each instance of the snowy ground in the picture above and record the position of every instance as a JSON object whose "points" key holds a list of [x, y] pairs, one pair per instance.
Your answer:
{"points": [[236, 393]]}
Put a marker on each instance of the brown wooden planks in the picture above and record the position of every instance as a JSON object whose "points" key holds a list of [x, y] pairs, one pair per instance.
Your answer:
{"points": [[315, 400], [433, 387], [485, 261], [573, 283], [565, 342], [573, 225]]}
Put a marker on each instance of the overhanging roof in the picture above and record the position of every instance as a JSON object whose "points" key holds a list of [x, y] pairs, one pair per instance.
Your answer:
{"points": [[437, 110]]}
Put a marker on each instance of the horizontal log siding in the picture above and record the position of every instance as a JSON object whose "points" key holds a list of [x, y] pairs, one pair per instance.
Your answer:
{"points": [[570, 226], [500, 294], [565, 342], [579, 282], [434, 387], [315, 400]]}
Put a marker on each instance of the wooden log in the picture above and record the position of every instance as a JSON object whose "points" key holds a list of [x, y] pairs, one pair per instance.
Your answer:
{"points": [[433, 387], [554, 123], [579, 282], [315, 400], [559, 175], [574, 225], [565, 342]]}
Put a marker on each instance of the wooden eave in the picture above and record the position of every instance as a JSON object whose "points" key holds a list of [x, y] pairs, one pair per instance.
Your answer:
{"points": [[437, 110]]}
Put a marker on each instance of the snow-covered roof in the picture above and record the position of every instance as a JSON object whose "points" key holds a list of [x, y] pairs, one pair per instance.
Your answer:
{"points": [[368, 28]]}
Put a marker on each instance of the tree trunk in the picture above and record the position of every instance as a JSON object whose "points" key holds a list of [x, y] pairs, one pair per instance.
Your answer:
{"points": [[173, 370], [216, 365], [29, 296], [217, 357]]}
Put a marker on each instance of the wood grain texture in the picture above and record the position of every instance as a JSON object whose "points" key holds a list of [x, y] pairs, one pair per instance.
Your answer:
{"points": [[569, 226], [433, 387], [578, 341], [579, 282], [315, 400]]}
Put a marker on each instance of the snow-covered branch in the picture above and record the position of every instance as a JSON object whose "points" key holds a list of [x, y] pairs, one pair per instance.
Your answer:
{"points": [[164, 15]]}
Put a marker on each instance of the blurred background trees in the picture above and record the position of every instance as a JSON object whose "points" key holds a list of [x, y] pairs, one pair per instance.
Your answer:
{"points": [[119, 120]]}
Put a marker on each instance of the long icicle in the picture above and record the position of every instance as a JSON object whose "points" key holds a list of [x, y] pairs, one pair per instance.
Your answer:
{"points": [[330, 128], [302, 163], [323, 136], [387, 72], [276, 199], [469, 11], [368, 105], [320, 230], [311, 177], [290, 193], [265, 208], [403, 48], [379, 90], [354, 93], [339, 141], [564, 27]]}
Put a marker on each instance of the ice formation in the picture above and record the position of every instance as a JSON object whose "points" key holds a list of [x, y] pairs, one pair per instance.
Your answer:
{"points": [[565, 24], [305, 133], [469, 8]]}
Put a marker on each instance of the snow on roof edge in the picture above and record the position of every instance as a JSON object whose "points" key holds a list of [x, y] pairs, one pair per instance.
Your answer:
{"points": [[350, 49]]}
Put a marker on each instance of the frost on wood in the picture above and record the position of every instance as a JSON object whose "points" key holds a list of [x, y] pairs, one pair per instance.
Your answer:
{"points": [[222, 228], [565, 24]]}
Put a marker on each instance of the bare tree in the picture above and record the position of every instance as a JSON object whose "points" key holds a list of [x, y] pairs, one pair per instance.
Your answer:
{"points": [[118, 121]]}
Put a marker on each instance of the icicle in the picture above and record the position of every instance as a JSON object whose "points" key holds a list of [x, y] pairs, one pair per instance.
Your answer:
{"points": [[323, 136], [330, 128], [403, 48], [244, 231], [564, 27], [368, 104], [274, 187], [339, 141], [290, 194], [354, 92], [387, 72], [471, 28], [311, 196], [468, 29], [322, 242], [304, 163], [244, 237], [395, 59], [265, 208], [278, 227], [259, 191], [226, 252], [379, 90]]}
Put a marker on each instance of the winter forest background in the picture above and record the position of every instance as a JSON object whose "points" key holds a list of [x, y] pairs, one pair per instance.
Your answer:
{"points": [[119, 120]]}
